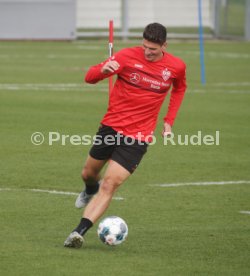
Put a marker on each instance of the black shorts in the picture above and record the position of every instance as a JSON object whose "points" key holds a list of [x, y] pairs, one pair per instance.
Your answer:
{"points": [[126, 151]]}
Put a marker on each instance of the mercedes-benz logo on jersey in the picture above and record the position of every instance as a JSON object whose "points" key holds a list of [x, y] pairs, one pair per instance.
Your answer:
{"points": [[135, 78], [166, 74]]}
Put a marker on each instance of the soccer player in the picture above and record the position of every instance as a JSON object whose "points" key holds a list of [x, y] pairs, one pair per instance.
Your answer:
{"points": [[145, 74]]}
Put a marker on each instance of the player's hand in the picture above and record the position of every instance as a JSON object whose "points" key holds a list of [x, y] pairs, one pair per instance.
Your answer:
{"points": [[167, 130], [110, 67]]}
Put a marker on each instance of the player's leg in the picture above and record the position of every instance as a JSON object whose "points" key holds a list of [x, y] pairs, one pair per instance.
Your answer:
{"points": [[98, 156], [124, 160], [91, 177], [114, 176]]}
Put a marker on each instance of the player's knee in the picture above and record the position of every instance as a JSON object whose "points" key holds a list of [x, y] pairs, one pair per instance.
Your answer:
{"points": [[110, 184], [88, 173]]}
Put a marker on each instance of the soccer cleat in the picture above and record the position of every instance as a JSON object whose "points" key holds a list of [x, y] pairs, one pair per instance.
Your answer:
{"points": [[83, 199], [74, 240]]}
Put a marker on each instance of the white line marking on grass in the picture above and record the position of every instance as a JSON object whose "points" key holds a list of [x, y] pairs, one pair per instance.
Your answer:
{"points": [[49, 56], [199, 91], [235, 91], [51, 86], [202, 183], [89, 47], [245, 212], [50, 192], [245, 83], [228, 55], [212, 54], [40, 86]]}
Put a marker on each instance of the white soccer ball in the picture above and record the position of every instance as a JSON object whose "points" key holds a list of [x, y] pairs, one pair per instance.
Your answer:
{"points": [[112, 230]]}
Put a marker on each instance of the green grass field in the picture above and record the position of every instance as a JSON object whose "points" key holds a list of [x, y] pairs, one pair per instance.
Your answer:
{"points": [[183, 230]]}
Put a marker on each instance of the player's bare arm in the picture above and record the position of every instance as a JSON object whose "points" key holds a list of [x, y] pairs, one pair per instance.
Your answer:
{"points": [[167, 129], [110, 67]]}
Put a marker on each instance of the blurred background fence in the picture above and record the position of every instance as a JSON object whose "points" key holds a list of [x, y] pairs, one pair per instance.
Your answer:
{"points": [[71, 19]]}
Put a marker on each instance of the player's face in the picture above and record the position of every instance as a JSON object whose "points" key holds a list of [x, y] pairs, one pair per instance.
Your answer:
{"points": [[152, 51]]}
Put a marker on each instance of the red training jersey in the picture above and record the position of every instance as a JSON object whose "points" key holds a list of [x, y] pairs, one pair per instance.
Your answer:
{"points": [[140, 90]]}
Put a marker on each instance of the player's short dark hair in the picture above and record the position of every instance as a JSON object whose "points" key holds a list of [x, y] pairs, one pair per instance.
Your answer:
{"points": [[155, 32]]}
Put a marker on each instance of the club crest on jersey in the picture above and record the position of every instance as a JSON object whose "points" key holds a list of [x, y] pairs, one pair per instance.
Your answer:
{"points": [[166, 74], [135, 78]]}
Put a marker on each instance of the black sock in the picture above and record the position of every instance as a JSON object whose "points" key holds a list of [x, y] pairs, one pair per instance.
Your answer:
{"points": [[84, 226], [92, 189]]}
